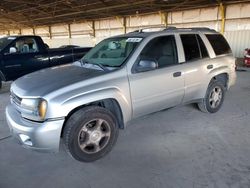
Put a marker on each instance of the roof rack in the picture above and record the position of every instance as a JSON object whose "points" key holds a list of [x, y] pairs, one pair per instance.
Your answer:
{"points": [[172, 28], [196, 29], [141, 30]]}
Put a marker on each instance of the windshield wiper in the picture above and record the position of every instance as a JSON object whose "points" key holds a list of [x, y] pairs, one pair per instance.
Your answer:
{"points": [[114, 66], [83, 61], [101, 66]]}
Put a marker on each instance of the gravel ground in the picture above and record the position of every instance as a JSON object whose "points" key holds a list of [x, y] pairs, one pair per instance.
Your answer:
{"points": [[176, 148]]}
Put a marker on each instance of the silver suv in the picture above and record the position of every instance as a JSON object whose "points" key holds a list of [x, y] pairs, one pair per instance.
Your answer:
{"points": [[121, 78]]}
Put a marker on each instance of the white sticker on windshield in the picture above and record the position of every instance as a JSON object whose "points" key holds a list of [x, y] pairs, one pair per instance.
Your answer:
{"points": [[11, 38], [134, 40]]}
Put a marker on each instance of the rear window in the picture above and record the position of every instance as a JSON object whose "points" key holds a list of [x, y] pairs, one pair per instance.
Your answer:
{"points": [[219, 44]]}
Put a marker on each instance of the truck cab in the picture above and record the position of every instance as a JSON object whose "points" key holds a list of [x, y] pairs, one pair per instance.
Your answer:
{"points": [[21, 55]]}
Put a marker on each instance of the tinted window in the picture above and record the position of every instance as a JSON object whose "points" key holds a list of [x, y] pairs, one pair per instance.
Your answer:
{"points": [[219, 44], [25, 45], [191, 46], [5, 42], [203, 48], [161, 50]]}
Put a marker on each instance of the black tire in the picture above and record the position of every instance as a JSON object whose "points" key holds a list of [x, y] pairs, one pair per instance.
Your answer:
{"points": [[208, 106], [82, 127]]}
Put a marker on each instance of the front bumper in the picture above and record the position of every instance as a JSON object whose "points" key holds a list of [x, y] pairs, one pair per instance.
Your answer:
{"points": [[33, 135], [232, 79]]}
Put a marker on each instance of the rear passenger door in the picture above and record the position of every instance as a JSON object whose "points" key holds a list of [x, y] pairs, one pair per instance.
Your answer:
{"points": [[159, 88], [195, 67]]}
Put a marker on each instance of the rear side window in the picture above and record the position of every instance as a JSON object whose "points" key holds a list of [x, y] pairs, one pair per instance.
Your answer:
{"points": [[219, 44], [203, 48], [191, 47], [194, 47]]}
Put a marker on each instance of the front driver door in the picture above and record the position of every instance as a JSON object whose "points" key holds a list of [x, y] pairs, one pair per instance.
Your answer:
{"points": [[162, 87]]}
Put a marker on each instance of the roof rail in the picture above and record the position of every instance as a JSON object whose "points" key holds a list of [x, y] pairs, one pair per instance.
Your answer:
{"points": [[196, 28], [163, 28]]}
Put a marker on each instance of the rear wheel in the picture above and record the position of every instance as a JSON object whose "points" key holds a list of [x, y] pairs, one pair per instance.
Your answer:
{"points": [[214, 98], [90, 133]]}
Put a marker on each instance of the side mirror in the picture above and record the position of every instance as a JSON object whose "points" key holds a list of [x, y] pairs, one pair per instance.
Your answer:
{"points": [[12, 50], [146, 65]]}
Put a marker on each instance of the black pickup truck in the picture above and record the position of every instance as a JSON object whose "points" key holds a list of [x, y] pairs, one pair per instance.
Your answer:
{"points": [[20, 55]]}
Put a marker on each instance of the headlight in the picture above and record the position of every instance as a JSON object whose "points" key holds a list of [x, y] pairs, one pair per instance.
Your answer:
{"points": [[34, 109]]}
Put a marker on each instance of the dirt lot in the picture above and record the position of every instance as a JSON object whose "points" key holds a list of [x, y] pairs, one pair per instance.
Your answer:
{"points": [[177, 148]]}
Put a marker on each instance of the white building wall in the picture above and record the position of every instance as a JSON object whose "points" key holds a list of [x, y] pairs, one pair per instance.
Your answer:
{"points": [[206, 17], [238, 40], [237, 26]]}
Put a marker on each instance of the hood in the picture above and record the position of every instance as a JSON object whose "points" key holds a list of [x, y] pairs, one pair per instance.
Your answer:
{"points": [[45, 81]]}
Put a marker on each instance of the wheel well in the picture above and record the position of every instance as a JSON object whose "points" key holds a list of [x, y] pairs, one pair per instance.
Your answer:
{"points": [[223, 78], [110, 104]]}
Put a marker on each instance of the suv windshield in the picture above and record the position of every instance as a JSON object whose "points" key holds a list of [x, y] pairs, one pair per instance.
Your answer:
{"points": [[5, 41], [112, 52]]}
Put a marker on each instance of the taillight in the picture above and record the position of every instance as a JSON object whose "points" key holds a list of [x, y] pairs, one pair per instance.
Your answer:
{"points": [[234, 65]]}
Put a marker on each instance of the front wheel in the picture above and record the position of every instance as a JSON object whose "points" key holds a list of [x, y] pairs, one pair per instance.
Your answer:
{"points": [[214, 98], [90, 133]]}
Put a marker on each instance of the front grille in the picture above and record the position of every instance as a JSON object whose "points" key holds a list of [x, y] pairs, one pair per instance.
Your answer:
{"points": [[15, 99]]}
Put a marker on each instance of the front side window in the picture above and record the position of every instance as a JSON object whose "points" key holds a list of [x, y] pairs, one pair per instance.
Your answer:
{"points": [[25, 45], [161, 50], [219, 44], [112, 52]]}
